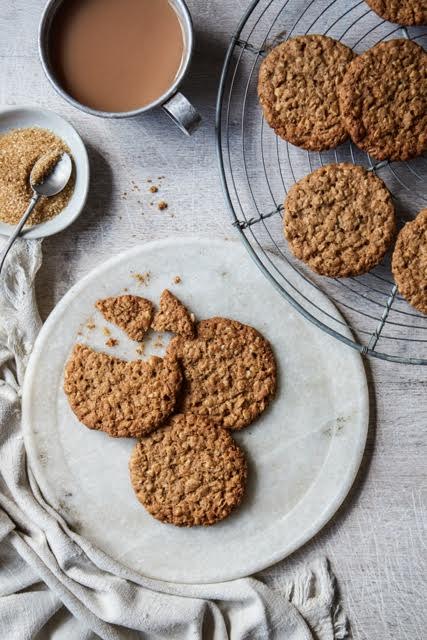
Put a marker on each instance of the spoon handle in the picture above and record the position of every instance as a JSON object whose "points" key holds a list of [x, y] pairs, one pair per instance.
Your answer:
{"points": [[18, 228]]}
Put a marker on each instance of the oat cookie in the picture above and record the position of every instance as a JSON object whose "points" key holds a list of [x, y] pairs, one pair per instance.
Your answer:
{"points": [[383, 99], [133, 314], [124, 399], [401, 11], [173, 316], [409, 264], [339, 220], [189, 472], [297, 88], [229, 372]]}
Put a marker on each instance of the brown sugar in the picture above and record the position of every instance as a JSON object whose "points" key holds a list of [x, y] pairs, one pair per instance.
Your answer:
{"points": [[19, 151]]}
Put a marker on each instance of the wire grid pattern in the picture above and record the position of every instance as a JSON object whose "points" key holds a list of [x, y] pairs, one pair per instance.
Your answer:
{"points": [[258, 168]]}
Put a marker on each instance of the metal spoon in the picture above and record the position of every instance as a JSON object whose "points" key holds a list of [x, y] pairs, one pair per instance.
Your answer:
{"points": [[52, 184]]}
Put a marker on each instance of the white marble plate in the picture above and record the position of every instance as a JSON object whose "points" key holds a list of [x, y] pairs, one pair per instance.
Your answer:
{"points": [[303, 453]]}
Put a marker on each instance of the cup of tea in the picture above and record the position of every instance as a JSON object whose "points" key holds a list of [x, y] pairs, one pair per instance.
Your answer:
{"points": [[119, 58]]}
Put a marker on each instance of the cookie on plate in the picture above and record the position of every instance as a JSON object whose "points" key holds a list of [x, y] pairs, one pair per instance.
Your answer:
{"points": [[383, 100], [132, 314], [189, 472], [229, 372], [409, 263], [407, 12], [339, 220], [124, 399], [297, 89], [173, 316]]}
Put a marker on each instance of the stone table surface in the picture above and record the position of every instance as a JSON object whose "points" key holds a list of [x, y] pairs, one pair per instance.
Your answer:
{"points": [[377, 541]]}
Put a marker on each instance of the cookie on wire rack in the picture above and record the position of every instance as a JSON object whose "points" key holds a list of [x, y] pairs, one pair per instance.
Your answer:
{"points": [[339, 220], [297, 89], [383, 100], [405, 12], [409, 263], [189, 472]]}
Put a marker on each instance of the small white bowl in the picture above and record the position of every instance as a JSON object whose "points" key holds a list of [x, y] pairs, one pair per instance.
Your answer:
{"points": [[20, 117]]}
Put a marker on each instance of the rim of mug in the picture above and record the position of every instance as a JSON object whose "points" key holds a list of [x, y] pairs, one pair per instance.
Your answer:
{"points": [[184, 17]]}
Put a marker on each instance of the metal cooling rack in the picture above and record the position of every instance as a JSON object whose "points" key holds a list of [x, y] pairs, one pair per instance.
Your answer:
{"points": [[258, 168]]}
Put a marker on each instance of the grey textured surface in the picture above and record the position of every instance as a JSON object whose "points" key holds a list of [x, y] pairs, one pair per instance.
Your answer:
{"points": [[377, 541]]}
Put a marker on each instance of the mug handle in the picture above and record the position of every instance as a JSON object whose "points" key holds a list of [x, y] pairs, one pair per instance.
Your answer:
{"points": [[182, 113]]}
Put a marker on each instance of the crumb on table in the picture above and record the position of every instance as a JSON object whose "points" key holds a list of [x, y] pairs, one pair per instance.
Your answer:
{"points": [[112, 342], [90, 325], [142, 278], [154, 189], [140, 349], [162, 205], [177, 280], [106, 331]]}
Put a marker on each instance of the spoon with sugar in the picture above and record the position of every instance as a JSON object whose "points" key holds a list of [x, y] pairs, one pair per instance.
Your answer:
{"points": [[49, 176]]}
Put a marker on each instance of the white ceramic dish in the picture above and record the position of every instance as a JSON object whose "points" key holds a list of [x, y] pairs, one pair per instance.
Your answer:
{"points": [[18, 117], [303, 452]]}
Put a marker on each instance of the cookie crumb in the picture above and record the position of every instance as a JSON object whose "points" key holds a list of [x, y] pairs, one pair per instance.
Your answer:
{"points": [[112, 342], [177, 280], [162, 205], [140, 349], [154, 189], [90, 325], [142, 278], [106, 331]]}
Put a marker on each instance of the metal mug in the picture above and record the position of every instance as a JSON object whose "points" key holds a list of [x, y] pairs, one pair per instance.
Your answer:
{"points": [[173, 103]]}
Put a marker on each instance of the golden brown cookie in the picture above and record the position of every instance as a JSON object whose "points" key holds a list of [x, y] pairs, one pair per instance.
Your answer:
{"points": [[133, 314], [189, 472], [124, 399], [409, 264], [406, 12], [229, 372], [297, 89], [383, 99], [339, 220], [173, 316]]}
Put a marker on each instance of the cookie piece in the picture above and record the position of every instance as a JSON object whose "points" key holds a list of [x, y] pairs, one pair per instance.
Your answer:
{"points": [[189, 472], [173, 316], [339, 220], [407, 12], [383, 99], [409, 263], [133, 314], [124, 399], [297, 89], [229, 372]]}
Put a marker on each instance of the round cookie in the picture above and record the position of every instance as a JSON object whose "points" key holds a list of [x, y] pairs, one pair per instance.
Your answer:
{"points": [[229, 372], [189, 472], [339, 220], [409, 263], [124, 399], [383, 100], [406, 12], [297, 88]]}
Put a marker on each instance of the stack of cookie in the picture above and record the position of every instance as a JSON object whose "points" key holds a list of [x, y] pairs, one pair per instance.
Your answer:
{"points": [[217, 375], [315, 92]]}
